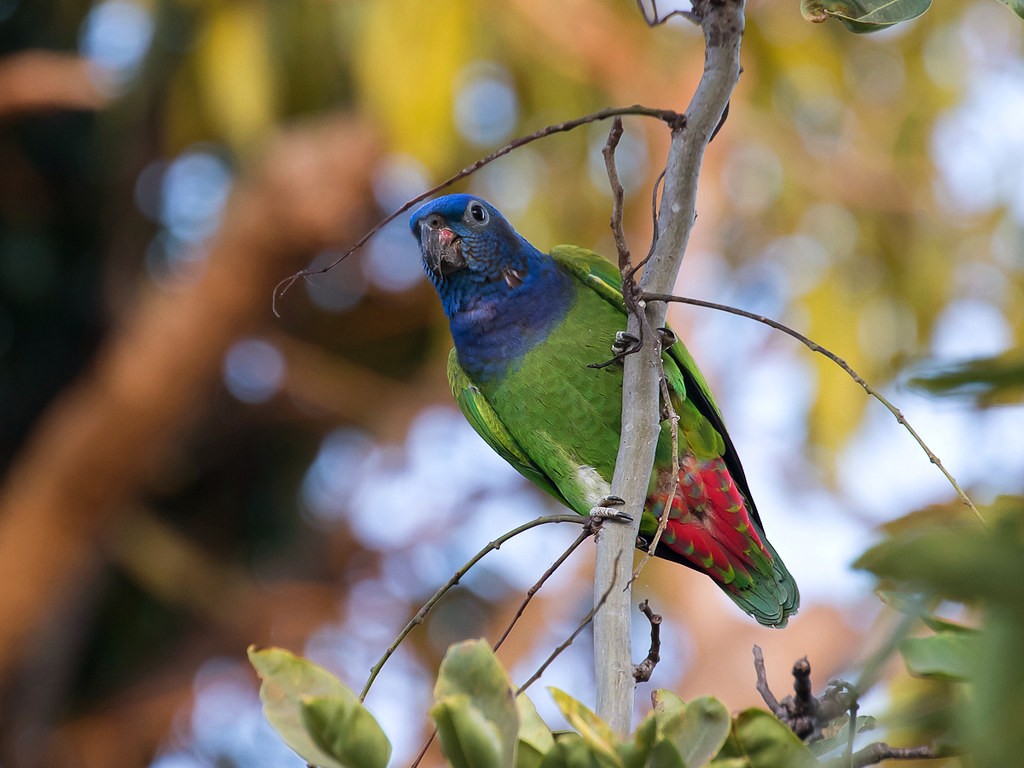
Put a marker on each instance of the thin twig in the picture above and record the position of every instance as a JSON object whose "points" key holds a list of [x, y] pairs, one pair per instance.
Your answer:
{"points": [[618, 193], [568, 641], [654, 215], [815, 347], [424, 748], [762, 685], [673, 419], [642, 672], [851, 729], [422, 613], [589, 528], [673, 119], [875, 753]]}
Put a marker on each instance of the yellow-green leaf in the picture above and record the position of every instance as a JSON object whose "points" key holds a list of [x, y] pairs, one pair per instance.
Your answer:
{"points": [[945, 655], [535, 739], [471, 671], [765, 742], [864, 15], [468, 739], [289, 681], [346, 731], [596, 733]]}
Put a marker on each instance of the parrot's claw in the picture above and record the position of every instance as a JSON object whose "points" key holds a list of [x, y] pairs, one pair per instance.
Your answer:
{"points": [[605, 510], [667, 337], [624, 344]]}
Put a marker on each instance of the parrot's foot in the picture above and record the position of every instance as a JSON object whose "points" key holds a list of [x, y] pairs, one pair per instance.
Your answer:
{"points": [[667, 337], [606, 510], [624, 344]]}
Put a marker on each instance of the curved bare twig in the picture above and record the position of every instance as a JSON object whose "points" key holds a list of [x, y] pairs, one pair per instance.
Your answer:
{"points": [[673, 119], [815, 347], [421, 614]]}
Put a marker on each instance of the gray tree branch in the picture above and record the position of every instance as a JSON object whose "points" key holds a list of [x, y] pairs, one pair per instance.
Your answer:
{"points": [[722, 23]]}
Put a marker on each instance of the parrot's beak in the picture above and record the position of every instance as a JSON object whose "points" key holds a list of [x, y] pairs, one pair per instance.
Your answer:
{"points": [[442, 249]]}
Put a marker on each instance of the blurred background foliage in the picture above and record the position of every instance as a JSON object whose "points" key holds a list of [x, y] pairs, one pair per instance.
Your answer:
{"points": [[184, 473]]}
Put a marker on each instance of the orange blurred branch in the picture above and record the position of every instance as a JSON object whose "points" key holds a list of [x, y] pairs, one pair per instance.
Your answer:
{"points": [[34, 81], [92, 451]]}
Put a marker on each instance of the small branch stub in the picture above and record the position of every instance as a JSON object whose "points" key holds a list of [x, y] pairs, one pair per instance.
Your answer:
{"points": [[642, 672]]}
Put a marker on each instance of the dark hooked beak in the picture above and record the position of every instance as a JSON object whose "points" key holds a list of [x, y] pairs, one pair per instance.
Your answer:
{"points": [[442, 249]]}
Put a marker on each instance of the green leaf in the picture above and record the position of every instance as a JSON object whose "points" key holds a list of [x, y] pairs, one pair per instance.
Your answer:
{"points": [[535, 739], [596, 734], [862, 16], [468, 738], [346, 731], [697, 730], [1017, 6], [471, 678], [766, 742], [289, 685], [994, 732], [665, 755], [961, 561], [705, 729], [570, 751], [635, 753], [988, 380], [667, 704], [945, 655]]}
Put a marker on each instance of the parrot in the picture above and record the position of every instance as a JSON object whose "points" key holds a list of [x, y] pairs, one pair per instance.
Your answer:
{"points": [[528, 328]]}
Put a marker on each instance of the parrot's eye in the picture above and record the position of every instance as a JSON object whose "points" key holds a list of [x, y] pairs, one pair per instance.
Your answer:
{"points": [[478, 213]]}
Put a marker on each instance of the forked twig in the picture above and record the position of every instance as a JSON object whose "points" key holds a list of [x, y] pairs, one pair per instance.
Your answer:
{"points": [[427, 606], [569, 640], [589, 528], [808, 715], [815, 347]]}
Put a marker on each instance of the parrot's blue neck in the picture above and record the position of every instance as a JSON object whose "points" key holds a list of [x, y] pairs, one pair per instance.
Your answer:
{"points": [[494, 323]]}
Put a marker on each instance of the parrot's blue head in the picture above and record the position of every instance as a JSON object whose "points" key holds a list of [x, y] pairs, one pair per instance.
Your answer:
{"points": [[501, 295], [464, 234]]}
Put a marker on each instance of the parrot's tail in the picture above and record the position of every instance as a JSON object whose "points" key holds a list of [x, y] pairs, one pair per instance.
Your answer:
{"points": [[710, 529]]}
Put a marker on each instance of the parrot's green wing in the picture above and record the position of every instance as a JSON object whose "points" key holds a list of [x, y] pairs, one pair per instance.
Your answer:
{"points": [[603, 277], [488, 425], [700, 418]]}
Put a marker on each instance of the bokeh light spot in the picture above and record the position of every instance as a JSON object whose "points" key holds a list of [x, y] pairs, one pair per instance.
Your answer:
{"points": [[194, 190], [970, 328], [486, 105], [116, 35], [398, 178], [340, 288], [630, 159], [393, 260], [253, 370]]}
